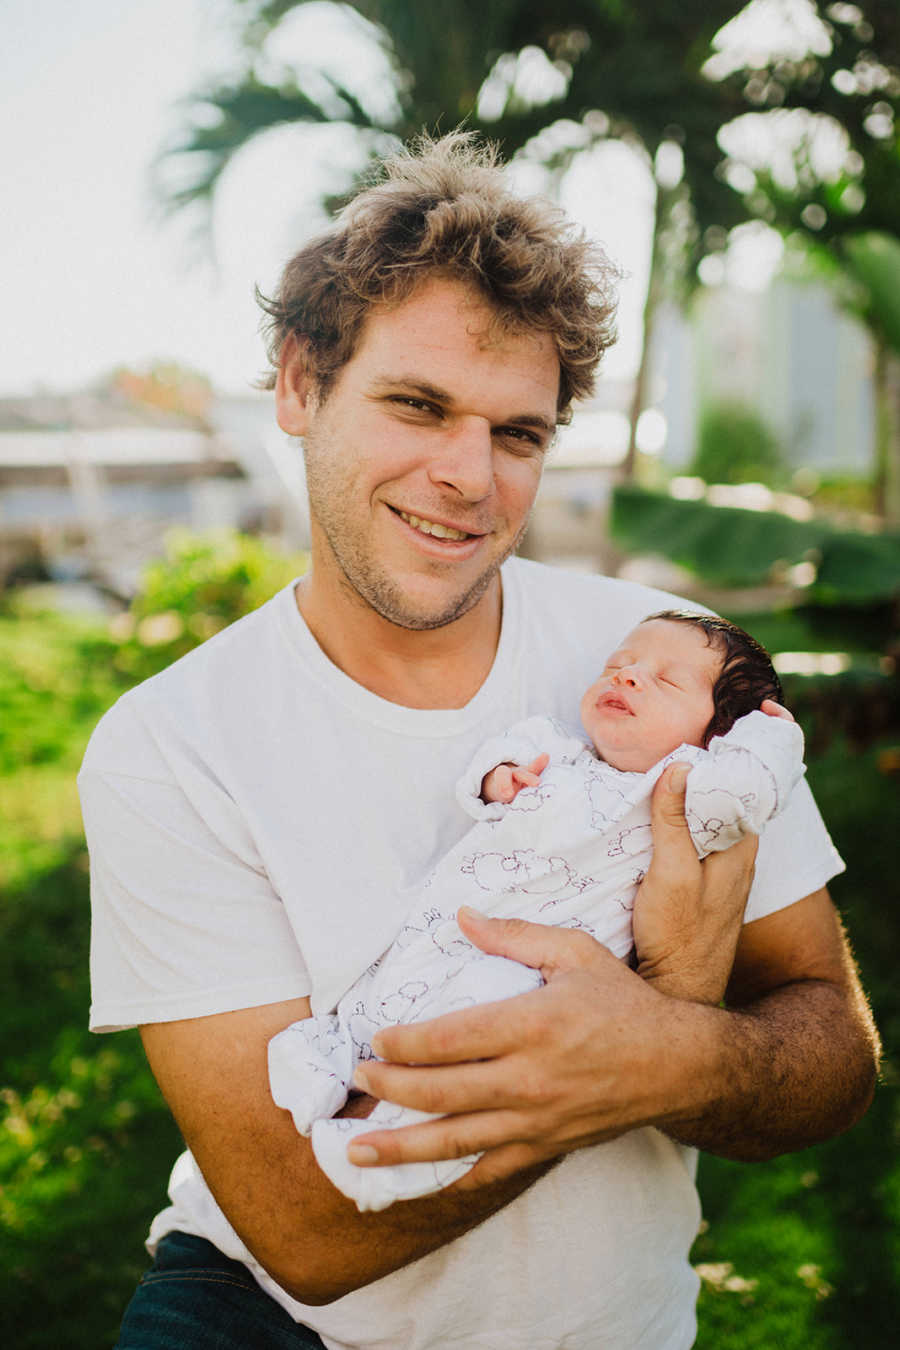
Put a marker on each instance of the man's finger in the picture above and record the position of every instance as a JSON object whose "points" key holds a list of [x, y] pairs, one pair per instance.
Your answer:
{"points": [[773, 709], [483, 1032], [544, 948], [446, 1137], [441, 1089]]}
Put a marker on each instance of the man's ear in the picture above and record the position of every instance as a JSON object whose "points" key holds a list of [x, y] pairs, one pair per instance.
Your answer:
{"points": [[295, 388]]}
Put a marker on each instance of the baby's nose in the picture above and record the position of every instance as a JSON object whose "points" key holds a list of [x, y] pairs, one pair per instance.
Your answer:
{"points": [[627, 675]]}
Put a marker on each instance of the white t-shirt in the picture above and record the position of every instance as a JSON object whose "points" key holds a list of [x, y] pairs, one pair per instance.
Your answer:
{"points": [[258, 826]]}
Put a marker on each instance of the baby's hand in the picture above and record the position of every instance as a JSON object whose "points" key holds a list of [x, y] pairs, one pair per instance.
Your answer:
{"points": [[502, 783]]}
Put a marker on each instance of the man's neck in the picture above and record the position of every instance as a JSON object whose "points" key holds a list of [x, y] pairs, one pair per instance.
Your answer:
{"points": [[434, 668]]}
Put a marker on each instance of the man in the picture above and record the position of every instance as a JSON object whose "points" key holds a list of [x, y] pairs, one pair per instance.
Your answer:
{"points": [[259, 815]]}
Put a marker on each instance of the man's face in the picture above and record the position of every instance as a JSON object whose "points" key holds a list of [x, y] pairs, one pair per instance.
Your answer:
{"points": [[654, 695], [423, 461]]}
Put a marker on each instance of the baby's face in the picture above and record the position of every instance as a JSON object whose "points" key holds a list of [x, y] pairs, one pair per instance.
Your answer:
{"points": [[654, 695]]}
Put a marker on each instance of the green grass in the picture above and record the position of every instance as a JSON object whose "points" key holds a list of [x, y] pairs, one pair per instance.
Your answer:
{"points": [[86, 1140], [801, 1252], [819, 1231]]}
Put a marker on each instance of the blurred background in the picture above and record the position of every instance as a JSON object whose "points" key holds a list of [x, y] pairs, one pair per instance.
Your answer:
{"points": [[741, 163]]}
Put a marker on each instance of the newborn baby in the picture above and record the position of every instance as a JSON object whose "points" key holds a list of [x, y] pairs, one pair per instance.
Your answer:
{"points": [[562, 836]]}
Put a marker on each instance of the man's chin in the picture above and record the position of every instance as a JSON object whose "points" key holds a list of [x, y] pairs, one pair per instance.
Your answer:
{"points": [[424, 612]]}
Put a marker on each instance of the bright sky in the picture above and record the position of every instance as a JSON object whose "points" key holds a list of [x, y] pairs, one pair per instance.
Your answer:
{"points": [[91, 279]]}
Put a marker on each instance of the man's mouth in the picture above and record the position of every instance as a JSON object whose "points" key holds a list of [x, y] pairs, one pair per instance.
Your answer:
{"points": [[432, 527]]}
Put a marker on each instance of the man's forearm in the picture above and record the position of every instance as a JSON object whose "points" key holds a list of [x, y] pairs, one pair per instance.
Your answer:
{"points": [[309, 1237], [794, 1067], [339, 1250], [792, 1057]]}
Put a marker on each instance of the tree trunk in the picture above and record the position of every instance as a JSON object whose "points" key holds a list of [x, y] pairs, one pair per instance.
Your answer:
{"points": [[628, 468], [886, 477]]}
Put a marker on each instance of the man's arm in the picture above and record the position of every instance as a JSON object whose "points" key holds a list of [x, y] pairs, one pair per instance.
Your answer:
{"points": [[811, 1039], [310, 1238], [596, 1051], [600, 1049]]}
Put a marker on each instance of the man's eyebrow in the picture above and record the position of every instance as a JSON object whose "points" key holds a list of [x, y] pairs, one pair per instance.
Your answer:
{"points": [[412, 384]]}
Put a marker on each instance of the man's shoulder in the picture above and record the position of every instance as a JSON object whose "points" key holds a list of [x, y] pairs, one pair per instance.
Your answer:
{"points": [[224, 671], [566, 591]]}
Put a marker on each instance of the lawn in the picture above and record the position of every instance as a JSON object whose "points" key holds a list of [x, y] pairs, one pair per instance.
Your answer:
{"points": [[799, 1254]]}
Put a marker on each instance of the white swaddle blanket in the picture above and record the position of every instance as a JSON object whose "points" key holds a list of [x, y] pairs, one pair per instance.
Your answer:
{"points": [[570, 852]]}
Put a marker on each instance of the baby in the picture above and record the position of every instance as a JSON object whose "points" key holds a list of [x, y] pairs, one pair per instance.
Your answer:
{"points": [[562, 837]]}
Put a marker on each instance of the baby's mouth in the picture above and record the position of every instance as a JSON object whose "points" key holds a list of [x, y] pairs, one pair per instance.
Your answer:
{"points": [[614, 701]]}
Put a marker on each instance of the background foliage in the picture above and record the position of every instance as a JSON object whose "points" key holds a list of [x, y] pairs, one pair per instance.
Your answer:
{"points": [[732, 546], [736, 445]]}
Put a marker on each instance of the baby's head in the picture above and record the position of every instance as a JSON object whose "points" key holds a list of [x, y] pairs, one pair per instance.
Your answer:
{"points": [[678, 678]]}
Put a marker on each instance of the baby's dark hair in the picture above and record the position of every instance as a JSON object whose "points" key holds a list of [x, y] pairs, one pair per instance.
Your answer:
{"points": [[747, 675]]}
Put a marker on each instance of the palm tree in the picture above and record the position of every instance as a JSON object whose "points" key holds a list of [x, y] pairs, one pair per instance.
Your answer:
{"points": [[617, 68]]}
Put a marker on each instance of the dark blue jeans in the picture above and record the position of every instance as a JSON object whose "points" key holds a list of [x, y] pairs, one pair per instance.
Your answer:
{"points": [[194, 1298]]}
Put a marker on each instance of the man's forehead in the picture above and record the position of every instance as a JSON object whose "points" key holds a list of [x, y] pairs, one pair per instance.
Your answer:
{"points": [[440, 333], [462, 303]]}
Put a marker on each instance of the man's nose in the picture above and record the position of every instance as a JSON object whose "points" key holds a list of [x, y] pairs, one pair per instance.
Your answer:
{"points": [[465, 459]]}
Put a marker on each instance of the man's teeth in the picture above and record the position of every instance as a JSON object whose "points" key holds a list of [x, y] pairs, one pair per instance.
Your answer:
{"points": [[431, 527]]}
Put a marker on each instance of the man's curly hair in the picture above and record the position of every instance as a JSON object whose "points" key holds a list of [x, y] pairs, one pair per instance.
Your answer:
{"points": [[443, 208], [747, 676]]}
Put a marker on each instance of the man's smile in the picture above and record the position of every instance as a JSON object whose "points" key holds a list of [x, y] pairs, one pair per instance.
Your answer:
{"points": [[436, 529]]}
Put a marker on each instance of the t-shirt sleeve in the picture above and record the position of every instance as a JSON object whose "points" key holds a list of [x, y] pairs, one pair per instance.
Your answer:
{"points": [[182, 924], [795, 858]]}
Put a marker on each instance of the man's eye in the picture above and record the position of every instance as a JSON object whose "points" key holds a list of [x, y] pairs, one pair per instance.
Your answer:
{"points": [[525, 440], [413, 404]]}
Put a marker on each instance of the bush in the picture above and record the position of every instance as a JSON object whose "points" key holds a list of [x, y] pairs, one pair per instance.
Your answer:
{"points": [[732, 546], [735, 445], [203, 583]]}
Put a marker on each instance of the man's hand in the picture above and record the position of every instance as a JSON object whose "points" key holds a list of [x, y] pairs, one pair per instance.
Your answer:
{"points": [[579, 1060], [688, 913], [503, 783], [532, 1077]]}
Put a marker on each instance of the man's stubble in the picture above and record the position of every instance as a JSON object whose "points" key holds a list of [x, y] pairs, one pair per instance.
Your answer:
{"points": [[366, 581]]}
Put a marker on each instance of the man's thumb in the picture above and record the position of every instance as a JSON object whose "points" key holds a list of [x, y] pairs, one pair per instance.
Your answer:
{"points": [[668, 799], [538, 945]]}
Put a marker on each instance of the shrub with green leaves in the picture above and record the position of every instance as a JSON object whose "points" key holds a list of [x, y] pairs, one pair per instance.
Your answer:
{"points": [[733, 546], [736, 445], [203, 583]]}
